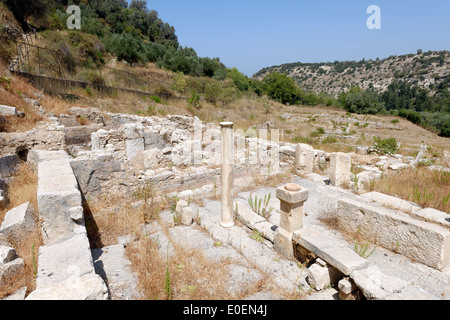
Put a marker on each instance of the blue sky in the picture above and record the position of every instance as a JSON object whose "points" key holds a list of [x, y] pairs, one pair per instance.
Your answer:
{"points": [[250, 34]]}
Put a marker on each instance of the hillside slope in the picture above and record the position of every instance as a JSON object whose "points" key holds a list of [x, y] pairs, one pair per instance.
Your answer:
{"points": [[424, 69]]}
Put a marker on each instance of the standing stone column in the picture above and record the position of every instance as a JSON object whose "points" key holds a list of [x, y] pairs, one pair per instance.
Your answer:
{"points": [[340, 169], [226, 177], [292, 197]]}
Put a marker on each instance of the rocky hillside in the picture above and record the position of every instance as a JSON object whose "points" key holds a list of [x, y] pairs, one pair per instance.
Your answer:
{"points": [[425, 69]]}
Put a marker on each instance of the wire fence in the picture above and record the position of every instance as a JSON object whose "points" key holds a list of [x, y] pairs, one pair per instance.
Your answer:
{"points": [[36, 60]]}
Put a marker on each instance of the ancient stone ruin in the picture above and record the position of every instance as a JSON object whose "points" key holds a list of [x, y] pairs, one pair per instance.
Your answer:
{"points": [[179, 155]]}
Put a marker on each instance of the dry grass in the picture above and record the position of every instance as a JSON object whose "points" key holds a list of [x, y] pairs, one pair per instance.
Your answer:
{"points": [[192, 275], [428, 188], [12, 93], [23, 189]]}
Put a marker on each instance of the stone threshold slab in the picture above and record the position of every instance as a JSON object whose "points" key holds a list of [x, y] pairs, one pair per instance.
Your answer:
{"points": [[330, 249]]}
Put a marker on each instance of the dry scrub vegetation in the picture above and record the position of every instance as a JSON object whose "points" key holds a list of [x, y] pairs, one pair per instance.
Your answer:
{"points": [[23, 189], [185, 274], [428, 188]]}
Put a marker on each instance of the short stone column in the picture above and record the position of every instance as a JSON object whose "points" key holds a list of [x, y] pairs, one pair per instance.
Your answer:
{"points": [[226, 176], [340, 169], [292, 197]]}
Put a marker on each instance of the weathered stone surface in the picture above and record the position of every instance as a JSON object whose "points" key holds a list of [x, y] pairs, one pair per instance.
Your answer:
{"points": [[35, 155], [112, 264], [135, 149], [424, 242], [57, 194], [346, 286], [247, 216], [18, 295], [320, 277], [391, 202], [187, 216], [7, 254], [70, 257], [151, 158], [336, 253], [8, 111], [8, 165], [19, 221], [93, 174], [7, 270], [153, 140], [376, 285], [91, 114], [80, 135], [86, 287], [304, 158], [340, 169], [292, 197]]}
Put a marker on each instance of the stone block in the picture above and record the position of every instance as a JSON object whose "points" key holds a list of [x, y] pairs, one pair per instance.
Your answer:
{"points": [[336, 253], [86, 287], [69, 257], [391, 202], [421, 241], [153, 140], [340, 169], [151, 158], [346, 286], [8, 165], [7, 254], [135, 149], [19, 221], [320, 276], [187, 215], [57, 194], [9, 269], [292, 197], [304, 158], [282, 242], [8, 111]]}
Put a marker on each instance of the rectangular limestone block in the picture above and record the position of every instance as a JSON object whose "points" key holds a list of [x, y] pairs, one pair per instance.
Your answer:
{"points": [[391, 202], [338, 254], [70, 257], [340, 169], [419, 240], [304, 158], [57, 194]]}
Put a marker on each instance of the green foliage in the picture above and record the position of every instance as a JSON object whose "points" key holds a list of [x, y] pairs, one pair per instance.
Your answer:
{"points": [[261, 206], [213, 90], [194, 100], [385, 146], [240, 80], [179, 82], [282, 88], [359, 101]]}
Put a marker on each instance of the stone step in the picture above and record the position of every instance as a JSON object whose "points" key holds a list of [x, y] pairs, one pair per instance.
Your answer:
{"points": [[335, 252]]}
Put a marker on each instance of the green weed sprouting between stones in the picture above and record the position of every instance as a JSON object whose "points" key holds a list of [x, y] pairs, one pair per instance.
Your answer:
{"points": [[361, 249], [261, 206]]}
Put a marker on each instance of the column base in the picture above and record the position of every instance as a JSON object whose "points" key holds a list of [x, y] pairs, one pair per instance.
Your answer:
{"points": [[227, 224]]}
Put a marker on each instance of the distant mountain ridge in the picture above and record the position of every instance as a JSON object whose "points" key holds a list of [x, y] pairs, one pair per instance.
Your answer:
{"points": [[424, 69]]}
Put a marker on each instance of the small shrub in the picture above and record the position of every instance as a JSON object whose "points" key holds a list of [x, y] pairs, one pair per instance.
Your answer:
{"points": [[194, 100], [385, 146]]}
